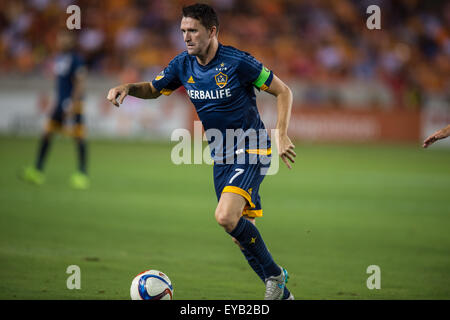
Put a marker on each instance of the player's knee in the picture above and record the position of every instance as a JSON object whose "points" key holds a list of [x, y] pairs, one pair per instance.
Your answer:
{"points": [[222, 218], [47, 135], [79, 140], [225, 219]]}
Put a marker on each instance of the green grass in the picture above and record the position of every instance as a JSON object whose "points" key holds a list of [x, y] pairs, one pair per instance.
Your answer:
{"points": [[341, 209]]}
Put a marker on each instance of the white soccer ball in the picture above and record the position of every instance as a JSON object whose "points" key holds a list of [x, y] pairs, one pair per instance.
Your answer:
{"points": [[151, 285]]}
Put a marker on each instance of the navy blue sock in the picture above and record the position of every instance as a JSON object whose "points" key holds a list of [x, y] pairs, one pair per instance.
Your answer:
{"points": [[42, 152], [248, 236], [82, 155], [256, 266], [259, 271]]}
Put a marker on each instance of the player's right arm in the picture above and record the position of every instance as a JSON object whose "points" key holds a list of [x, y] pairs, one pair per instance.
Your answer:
{"points": [[165, 83], [143, 90]]}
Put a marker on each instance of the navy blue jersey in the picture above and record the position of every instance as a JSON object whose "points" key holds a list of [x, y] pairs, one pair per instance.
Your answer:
{"points": [[65, 68], [224, 97]]}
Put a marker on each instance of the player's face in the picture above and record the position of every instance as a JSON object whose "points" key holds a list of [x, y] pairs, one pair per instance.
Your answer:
{"points": [[196, 36]]}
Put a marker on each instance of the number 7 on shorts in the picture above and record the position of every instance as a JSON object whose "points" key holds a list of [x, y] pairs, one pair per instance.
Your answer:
{"points": [[238, 173]]}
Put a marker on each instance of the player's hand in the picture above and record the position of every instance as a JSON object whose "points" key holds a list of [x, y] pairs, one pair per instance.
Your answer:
{"points": [[440, 134], [117, 95], [285, 149]]}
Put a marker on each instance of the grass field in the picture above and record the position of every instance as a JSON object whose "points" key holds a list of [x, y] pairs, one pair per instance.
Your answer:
{"points": [[341, 209]]}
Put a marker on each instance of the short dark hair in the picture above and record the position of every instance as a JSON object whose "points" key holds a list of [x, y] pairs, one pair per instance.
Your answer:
{"points": [[204, 13]]}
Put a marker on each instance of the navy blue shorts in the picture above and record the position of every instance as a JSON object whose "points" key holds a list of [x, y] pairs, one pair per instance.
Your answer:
{"points": [[58, 115], [58, 119], [242, 179]]}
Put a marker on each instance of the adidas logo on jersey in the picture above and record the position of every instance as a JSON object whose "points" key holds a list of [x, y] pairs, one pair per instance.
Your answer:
{"points": [[191, 80]]}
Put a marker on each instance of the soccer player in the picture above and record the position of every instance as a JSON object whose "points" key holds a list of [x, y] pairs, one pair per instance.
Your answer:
{"points": [[438, 135], [70, 75], [220, 82]]}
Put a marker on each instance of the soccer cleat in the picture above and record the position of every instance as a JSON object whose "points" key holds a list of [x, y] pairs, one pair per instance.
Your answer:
{"points": [[32, 175], [275, 286], [79, 181]]}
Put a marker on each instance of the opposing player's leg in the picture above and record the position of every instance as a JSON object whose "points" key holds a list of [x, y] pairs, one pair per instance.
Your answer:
{"points": [[35, 174], [80, 179]]}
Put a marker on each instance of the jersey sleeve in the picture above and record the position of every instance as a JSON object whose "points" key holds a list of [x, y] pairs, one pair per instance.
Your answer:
{"points": [[167, 80], [253, 72]]}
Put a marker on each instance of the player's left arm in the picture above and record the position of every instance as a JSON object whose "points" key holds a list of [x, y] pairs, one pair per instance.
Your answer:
{"points": [[284, 106]]}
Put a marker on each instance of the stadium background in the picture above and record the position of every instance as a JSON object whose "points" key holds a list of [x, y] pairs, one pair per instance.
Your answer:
{"points": [[362, 192]]}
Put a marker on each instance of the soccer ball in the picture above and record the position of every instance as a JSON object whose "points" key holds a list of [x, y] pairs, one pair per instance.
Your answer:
{"points": [[151, 285]]}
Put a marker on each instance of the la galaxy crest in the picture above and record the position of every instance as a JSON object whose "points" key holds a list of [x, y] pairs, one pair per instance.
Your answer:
{"points": [[221, 79]]}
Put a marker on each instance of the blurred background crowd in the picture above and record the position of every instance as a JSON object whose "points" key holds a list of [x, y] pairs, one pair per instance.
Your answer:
{"points": [[323, 43]]}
